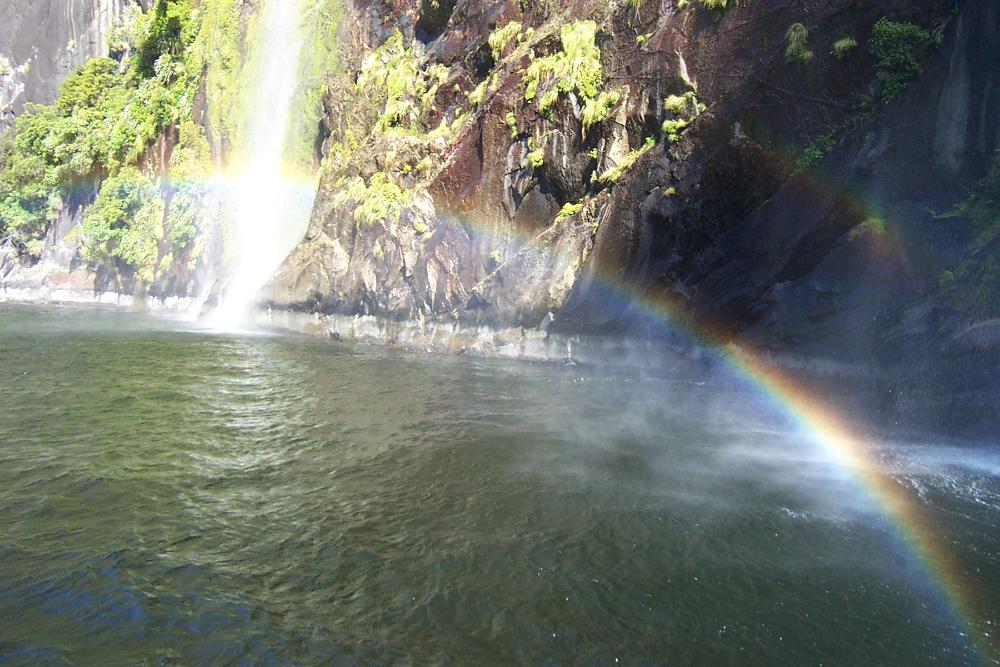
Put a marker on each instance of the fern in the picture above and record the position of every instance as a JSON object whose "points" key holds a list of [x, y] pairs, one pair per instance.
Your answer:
{"points": [[796, 50], [843, 47]]}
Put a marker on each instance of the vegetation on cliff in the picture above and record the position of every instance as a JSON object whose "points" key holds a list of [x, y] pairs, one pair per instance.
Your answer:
{"points": [[107, 114], [97, 136], [900, 50], [392, 105], [579, 97], [576, 67], [976, 278]]}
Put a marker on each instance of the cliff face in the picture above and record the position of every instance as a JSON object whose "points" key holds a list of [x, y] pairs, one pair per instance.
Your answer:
{"points": [[802, 177], [123, 186], [786, 201], [42, 42]]}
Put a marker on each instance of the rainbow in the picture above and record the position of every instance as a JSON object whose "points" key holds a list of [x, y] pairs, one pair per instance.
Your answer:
{"points": [[836, 437], [845, 446], [841, 442]]}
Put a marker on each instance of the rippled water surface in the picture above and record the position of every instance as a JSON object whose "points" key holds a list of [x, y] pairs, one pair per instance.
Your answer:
{"points": [[172, 496]]}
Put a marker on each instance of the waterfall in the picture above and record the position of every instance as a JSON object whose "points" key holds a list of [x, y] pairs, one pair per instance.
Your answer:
{"points": [[272, 206]]}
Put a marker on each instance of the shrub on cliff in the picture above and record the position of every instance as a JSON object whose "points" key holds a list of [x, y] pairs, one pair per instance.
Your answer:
{"points": [[500, 38], [28, 192], [611, 175], [107, 114], [190, 170], [900, 50], [169, 29], [720, 4], [978, 275], [125, 222], [375, 201]]}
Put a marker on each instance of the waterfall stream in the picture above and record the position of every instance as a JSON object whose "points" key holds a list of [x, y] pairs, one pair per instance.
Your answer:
{"points": [[272, 207]]}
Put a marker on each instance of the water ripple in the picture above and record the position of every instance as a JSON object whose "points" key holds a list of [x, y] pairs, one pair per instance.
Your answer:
{"points": [[177, 497]]}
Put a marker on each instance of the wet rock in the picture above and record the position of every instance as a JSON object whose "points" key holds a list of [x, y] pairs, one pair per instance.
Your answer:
{"points": [[71, 31], [720, 221]]}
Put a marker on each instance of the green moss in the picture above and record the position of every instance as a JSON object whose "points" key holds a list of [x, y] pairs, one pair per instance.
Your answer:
{"points": [[459, 121], [319, 58], [716, 4], [613, 174], [379, 200], [900, 50], [436, 76], [577, 67], [684, 108], [216, 52], [675, 104], [478, 93], [598, 109], [874, 224], [393, 79], [500, 38], [673, 129], [511, 121], [568, 211], [425, 166], [390, 77], [817, 149], [535, 157]]}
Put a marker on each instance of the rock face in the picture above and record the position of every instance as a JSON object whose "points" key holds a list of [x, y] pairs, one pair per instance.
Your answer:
{"points": [[655, 168], [719, 224], [43, 41]]}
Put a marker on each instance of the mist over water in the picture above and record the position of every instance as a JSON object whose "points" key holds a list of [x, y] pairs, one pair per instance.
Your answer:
{"points": [[183, 496], [272, 208]]}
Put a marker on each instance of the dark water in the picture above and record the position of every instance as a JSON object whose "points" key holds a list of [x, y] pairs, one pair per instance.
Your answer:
{"points": [[177, 497]]}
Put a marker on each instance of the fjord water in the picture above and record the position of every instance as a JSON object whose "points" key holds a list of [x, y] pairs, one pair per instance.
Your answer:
{"points": [[176, 496]]}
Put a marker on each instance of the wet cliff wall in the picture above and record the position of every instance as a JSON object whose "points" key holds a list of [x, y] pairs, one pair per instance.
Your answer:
{"points": [[815, 180], [121, 186], [42, 42], [787, 175]]}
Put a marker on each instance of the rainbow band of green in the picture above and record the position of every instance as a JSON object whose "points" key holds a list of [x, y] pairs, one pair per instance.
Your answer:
{"points": [[838, 440], [842, 445]]}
